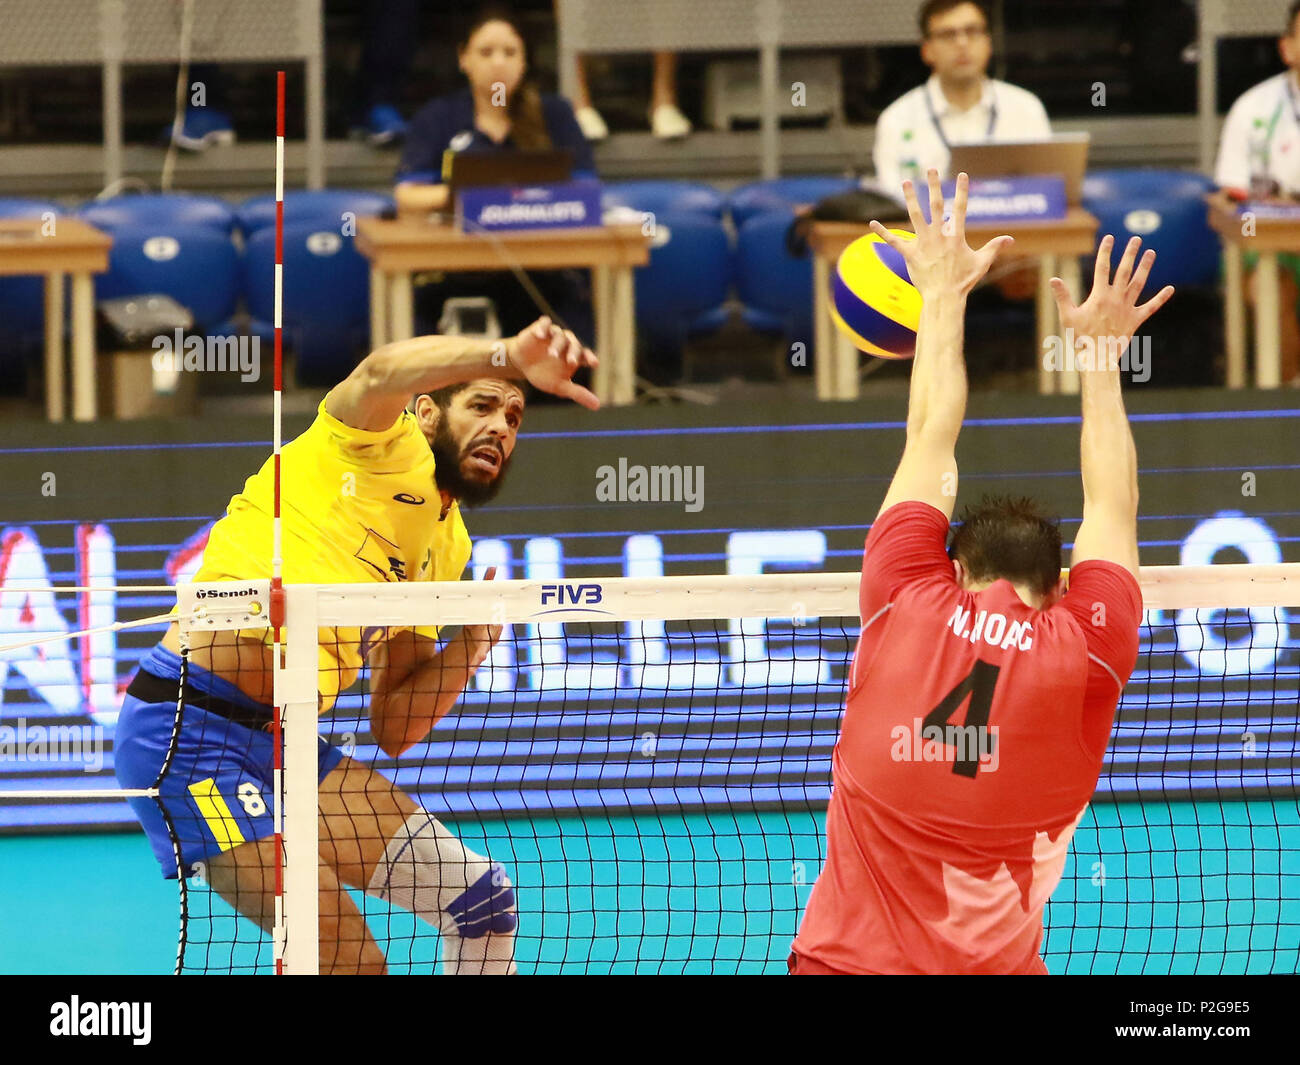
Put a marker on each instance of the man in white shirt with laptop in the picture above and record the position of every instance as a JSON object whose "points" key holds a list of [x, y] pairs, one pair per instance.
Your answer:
{"points": [[1259, 157], [959, 104]]}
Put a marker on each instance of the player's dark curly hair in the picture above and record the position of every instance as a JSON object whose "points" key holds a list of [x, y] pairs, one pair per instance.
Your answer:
{"points": [[443, 396], [1004, 536]]}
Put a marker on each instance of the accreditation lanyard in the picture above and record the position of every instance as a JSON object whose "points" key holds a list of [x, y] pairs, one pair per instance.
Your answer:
{"points": [[993, 117], [1265, 149], [1295, 109]]}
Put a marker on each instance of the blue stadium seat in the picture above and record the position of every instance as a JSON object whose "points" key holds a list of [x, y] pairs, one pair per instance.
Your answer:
{"points": [[659, 197], [683, 290], [22, 299], [196, 265], [775, 288], [1122, 182], [781, 193], [326, 307], [18, 207], [160, 209], [321, 207], [1167, 209]]}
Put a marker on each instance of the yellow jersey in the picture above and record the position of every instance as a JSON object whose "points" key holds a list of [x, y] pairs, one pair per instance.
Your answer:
{"points": [[355, 505]]}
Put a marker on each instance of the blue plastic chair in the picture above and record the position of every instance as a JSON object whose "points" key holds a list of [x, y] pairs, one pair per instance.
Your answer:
{"points": [[775, 287], [324, 208], [22, 299], [1141, 181], [660, 197], [683, 290], [20, 207], [196, 265], [777, 194], [160, 209], [326, 308], [1166, 208]]}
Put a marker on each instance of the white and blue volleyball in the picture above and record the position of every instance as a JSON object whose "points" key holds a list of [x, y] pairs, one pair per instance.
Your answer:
{"points": [[873, 300]]}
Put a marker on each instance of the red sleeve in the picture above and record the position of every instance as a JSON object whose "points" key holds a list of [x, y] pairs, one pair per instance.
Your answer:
{"points": [[905, 544], [1106, 601]]}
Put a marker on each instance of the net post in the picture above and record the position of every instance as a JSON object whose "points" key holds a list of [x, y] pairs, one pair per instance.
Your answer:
{"points": [[296, 696]]}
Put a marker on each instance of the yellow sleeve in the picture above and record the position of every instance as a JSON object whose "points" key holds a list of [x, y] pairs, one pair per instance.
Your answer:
{"points": [[384, 450]]}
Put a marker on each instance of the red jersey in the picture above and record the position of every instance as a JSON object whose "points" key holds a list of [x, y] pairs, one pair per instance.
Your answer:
{"points": [[972, 740]]}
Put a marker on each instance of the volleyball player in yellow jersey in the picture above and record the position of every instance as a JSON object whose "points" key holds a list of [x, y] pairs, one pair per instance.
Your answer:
{"points": [[370, 492]]}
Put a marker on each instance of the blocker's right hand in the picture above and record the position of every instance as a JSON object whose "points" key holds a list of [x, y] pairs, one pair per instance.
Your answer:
{"points": [[548, 357], [939, 260]]}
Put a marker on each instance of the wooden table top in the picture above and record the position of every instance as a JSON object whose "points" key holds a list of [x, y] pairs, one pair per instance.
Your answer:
{"points": [[1264, 234], [65, 245], [414, 244], [1075, 234]]}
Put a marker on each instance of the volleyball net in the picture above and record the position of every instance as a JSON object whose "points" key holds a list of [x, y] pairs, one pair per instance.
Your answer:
{"points": [[635, 779], [645, 765]]}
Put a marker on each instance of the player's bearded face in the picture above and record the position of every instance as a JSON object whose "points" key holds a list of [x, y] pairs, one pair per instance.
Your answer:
{"points": [[471, 459]]}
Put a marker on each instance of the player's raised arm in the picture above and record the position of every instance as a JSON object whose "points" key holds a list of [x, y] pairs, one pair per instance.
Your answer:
{"points": [[414, 682], [944, 268], [1108, 458], [375, 393]]}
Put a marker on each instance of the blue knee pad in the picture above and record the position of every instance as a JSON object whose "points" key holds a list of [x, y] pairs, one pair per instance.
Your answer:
{"points": [[487, 905]]}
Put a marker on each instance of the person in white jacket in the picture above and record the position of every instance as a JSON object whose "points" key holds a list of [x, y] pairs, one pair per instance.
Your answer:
{"points": [[959, 104], [1259, 155]]}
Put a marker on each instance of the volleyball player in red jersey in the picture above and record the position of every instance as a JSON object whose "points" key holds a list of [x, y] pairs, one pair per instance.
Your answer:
{"points": [[981, 695]]}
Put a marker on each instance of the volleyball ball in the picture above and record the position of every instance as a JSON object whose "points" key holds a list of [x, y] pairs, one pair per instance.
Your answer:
{"points": [[873, 300]]}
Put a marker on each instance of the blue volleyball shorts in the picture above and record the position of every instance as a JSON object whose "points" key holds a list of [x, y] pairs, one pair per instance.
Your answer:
{"points": [[217, 790]]}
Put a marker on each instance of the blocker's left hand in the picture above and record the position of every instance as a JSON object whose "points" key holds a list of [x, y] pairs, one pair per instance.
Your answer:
{"points": [[939, 260], [1112, 309]]}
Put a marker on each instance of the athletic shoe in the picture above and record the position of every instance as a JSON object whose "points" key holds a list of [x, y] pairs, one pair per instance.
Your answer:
{"points": [[668, 123], [203, 128], [384, 126], [592, 125]]}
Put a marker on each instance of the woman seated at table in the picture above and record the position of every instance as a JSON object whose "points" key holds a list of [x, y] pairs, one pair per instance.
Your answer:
{"points": [[499, 111]]}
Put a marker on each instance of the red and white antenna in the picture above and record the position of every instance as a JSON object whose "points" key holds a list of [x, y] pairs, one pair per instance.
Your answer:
{"points": [[277, 561]]}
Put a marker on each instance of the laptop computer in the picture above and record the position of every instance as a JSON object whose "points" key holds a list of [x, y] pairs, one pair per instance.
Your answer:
{"points": [[1065, 154], [466, 170]]}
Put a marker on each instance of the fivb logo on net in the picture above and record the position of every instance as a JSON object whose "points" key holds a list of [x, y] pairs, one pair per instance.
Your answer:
{"points": [[24, 743]]}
